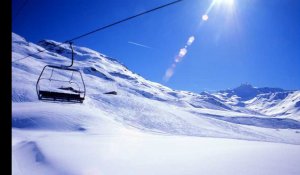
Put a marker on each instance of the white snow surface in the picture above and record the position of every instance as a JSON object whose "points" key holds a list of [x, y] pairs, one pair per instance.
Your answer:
{"points": [[147, 128]]}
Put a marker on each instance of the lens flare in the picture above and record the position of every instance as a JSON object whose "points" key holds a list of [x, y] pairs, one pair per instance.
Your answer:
{"points": [[190, 41], [182, 52], [205, 17], [229, 5], [179, 57]]}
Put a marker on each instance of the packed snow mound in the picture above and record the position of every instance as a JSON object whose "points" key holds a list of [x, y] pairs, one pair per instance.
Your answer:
{"points": [[139, 104], [55, 153]]}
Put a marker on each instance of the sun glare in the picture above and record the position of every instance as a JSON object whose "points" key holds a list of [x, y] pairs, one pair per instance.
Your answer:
{"points": [[229, 2], [225, 2]]}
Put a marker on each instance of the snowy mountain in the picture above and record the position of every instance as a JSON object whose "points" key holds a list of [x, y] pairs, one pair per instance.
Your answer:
{"points": [[247, 91], [277, 104], [145, 104], [272, 102], [49, 132]]}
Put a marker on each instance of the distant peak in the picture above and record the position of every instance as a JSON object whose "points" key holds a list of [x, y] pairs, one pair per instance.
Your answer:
{"points": [[245, 85]]}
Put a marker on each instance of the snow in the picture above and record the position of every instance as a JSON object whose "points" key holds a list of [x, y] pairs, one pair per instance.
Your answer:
{"points": [[271, 102], [129, 152], [276, 104], [147, 128]]}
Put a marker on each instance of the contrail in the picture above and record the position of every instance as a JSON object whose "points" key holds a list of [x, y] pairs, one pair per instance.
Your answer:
{"points": [[141, 45]]}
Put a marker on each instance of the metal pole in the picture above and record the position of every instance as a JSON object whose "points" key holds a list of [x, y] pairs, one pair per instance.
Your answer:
{"points": [[72, 54]]}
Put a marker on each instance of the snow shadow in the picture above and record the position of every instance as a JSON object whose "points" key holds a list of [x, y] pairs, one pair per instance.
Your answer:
{"points": [[275, 123]]}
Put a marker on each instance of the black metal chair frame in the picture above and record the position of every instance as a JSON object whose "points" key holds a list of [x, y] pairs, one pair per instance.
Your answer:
{"points": [[61, 96]]}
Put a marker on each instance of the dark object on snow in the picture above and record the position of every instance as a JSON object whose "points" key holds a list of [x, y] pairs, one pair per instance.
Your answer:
{"points": [[111, 92], [61, 83]]}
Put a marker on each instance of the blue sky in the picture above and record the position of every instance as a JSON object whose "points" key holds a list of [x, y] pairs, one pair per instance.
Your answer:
{"points": [[250, 41]]}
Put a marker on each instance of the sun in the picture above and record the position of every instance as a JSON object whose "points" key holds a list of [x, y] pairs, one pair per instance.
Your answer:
{"points": [[229, 2], [226, 2]]}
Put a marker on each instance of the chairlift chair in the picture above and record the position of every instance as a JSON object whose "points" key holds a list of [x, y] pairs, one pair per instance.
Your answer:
{"points": [[61, 83]]}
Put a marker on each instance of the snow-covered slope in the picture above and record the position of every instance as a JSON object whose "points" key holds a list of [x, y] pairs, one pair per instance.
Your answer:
{"points": [[42, 131], [140, 103], [273, 102], [135, 153], [247, 91], [277, 104]]}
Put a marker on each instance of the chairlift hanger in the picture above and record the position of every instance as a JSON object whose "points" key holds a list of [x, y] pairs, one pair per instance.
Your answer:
{"points": [[79, 96], [51, 88]]}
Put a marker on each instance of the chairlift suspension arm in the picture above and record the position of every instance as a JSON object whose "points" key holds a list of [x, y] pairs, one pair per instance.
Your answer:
{"points": [[71, 77], [51, 75], [72, 54]]}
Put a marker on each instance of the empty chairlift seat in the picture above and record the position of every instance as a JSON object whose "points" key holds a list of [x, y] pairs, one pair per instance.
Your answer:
{"points": [[61, 83]]}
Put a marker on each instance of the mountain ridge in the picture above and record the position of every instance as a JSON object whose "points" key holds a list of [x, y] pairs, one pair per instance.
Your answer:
{"points": [[244, 92], [146, 105]]}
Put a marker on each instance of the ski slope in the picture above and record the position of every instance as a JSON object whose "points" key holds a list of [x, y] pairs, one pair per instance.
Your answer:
{"points": [[130, 152], [147, 128]]}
